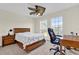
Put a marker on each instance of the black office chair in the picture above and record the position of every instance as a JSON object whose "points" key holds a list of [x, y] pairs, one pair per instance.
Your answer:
{"points": [[54, 40]]}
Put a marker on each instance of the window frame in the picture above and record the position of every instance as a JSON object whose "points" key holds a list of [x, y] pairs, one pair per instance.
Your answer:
{"points": [[57, 22]]}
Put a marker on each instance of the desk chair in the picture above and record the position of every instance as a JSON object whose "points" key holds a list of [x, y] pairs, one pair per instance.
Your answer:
{"points": [[54, 40]]}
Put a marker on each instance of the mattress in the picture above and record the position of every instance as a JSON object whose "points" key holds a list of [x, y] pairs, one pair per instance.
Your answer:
{"points": [[28, 38]]}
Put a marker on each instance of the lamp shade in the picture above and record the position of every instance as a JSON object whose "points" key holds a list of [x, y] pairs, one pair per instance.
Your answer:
{"points": [[11, 32]]}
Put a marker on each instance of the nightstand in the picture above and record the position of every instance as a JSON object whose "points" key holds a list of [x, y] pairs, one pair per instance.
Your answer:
{"points": [[7, 40]]}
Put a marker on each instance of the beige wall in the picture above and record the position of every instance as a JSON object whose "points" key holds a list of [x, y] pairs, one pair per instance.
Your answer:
{"points": [[70, 16], [10, 20]]}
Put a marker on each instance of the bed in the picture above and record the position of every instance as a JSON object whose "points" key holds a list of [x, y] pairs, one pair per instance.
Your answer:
{"points": [[28, 41]]}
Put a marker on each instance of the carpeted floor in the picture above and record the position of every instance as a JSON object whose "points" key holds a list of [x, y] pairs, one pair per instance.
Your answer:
{"points": [[42, 50]]}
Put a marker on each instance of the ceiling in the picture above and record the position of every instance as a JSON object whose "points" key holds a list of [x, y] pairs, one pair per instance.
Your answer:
{"points": [[21, 8]]}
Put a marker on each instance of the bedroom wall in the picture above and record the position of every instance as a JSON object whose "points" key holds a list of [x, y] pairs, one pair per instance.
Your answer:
{"points": [[10, 20], [70, 16]]}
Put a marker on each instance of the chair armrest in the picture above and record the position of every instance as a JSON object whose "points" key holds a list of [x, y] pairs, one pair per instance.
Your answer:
{"points": [[58, 38], [58, 35]]}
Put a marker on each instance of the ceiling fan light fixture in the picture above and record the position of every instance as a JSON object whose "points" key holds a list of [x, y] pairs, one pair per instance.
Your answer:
{"points": [[38, 14]]}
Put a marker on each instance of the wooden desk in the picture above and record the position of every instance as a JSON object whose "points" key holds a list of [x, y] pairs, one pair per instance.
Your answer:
{"points": [[69, 42]]}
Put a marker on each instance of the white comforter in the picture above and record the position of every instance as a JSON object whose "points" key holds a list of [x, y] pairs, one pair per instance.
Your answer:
{"points": [[28, 38]]}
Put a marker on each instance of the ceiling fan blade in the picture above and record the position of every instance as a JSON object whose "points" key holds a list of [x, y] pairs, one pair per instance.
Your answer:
{"points": [[37, 7], [33, 9], [31, 13]]}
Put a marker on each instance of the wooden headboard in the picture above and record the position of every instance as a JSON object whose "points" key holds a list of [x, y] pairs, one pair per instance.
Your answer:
{"points": [[20, 30]]}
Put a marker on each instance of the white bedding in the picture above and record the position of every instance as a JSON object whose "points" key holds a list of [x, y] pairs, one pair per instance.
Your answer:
{"points": [[28, 38]]}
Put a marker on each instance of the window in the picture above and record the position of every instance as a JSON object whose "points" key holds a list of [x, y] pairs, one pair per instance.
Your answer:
{"points": [[57, 25], [43, 27]]}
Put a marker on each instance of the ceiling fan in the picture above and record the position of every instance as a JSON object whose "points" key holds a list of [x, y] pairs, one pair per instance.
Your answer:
{"points": [[38, 10]]}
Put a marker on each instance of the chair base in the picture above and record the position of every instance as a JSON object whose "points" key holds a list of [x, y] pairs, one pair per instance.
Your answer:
{"points": [[56, 50]]}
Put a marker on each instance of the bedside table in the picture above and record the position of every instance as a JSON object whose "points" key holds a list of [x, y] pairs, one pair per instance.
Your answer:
{"points": [[7, 40]]}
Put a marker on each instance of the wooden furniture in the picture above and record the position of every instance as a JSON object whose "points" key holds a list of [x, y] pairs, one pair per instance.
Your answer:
{"points": [[32, 46], [21, 30], [29, 47], [68, 42], [7, 40]]}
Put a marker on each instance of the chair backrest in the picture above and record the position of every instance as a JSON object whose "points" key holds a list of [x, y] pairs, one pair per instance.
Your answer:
{"points": [[51, 34]]}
